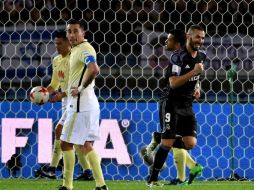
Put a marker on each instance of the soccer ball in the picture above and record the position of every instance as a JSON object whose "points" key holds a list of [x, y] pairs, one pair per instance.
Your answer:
{"points": [[39, 95]]}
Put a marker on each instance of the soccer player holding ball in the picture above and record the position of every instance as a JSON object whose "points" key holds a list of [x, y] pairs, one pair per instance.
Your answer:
{"points": [[58, 92], [176, 113]]}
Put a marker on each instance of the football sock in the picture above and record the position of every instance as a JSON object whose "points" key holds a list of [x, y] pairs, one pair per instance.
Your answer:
{"points": [[82, 158], [95, 163], [189, 161], [180, 162], [57, 153], [69, 162], [159, 159]]}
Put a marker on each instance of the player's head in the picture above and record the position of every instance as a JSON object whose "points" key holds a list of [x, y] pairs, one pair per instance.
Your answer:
{"points": [[62, 43], [176, 39], [76, 32], [195, 37]]}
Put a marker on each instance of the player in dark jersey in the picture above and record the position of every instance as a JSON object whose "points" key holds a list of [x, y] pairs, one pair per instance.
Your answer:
{"points": [[176, 114], [176, 40]]}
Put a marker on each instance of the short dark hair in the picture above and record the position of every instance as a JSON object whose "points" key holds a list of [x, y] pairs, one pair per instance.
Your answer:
{"points": [[61, 34], [179, 36], [195, 27], [81, 23]]}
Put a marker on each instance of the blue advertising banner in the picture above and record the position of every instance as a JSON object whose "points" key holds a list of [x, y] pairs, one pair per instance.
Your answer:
{"points": [[27, 130]]}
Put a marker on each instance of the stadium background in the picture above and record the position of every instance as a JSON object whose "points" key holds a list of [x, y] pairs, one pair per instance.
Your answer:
{"points": [[129, 38]]}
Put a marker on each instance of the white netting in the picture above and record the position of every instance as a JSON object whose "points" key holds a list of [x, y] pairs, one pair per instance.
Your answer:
{"points": [[129, 37]]}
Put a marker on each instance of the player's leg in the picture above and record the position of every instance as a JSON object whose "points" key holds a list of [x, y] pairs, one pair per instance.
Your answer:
{"points": [[68, 138], [159, 160], [95, 163], [69, 162], [167, 123], [147, 152], [180, 163], [90, 133], [190, 141], [187, 128], [50, 171], [86, 168], [195, 168]]}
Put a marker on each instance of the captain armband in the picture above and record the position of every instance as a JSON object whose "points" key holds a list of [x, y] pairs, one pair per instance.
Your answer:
{"points": [[89, 59]]}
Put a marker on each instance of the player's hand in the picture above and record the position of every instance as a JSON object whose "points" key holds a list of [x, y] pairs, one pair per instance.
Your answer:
{"points": [[198, 69], [55, 96], [74, 91], [197, 93]]}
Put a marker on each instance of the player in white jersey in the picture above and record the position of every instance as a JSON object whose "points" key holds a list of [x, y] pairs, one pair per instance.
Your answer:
{"points": [[58, 90], [81, 126]]}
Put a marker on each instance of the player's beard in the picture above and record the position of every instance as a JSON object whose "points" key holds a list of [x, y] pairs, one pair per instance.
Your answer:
{"points": [[192, 45], [168, 48]]}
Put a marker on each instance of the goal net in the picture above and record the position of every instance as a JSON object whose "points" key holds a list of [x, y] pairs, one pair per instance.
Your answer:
{"points": [[129, 36]]}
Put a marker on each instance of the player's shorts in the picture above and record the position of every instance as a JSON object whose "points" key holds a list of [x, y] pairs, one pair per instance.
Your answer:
{"points": [[80, 127], [63, 118], [172, 121]]}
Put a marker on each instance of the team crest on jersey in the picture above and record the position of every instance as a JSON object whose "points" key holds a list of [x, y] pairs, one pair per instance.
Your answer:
{"points": [[61, 74], [167, 127]]}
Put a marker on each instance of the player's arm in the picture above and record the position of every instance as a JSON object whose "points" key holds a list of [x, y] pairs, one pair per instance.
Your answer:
{"points": [[89, 76], [54, 84], [197, 90], [91, 72], [176, 81], [55, 96]]}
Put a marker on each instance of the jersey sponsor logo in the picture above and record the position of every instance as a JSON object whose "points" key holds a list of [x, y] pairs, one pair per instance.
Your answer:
{"points": [[61, 74], [195, 78]]}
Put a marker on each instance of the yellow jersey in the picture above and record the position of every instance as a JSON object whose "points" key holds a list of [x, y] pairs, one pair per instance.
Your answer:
{"points": [[81, 55], [60, 76]]}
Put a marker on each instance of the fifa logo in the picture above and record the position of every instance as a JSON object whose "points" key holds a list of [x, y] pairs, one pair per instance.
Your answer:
{"points": [[108, 128]]}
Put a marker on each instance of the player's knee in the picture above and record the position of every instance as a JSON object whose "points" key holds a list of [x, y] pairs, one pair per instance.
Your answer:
{"points": [[189, 142], [58, 131], [189, 145], [66, 146], [87, 147], [167, 143]]}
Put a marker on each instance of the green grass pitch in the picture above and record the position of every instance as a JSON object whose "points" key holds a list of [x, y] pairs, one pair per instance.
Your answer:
{"points": [[46, 184]]}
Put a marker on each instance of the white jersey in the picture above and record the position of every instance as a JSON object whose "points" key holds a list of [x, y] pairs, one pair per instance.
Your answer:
{"points": [[79, 59]]}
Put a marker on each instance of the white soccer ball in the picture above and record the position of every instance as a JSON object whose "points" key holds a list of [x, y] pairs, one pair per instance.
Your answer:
{"points": [[39, 95]]}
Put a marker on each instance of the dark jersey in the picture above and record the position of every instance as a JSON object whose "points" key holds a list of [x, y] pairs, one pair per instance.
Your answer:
{"points": [[181, 62]]}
